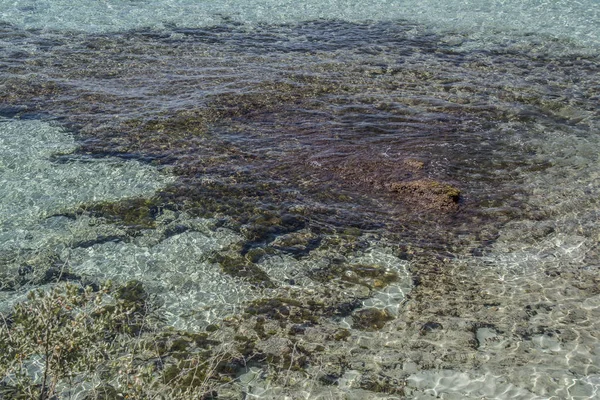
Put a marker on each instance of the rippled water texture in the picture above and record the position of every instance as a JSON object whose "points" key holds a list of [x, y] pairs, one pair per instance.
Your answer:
{"points": [[487, 19], [470, 171]]}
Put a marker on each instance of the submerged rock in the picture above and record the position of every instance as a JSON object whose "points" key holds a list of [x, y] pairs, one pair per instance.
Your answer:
{"points": [[39, 269], [380, 383], [285, 309], [349, 152], [371, 276], [429, 195], [240, 267], [371, 319], [137, 213]]}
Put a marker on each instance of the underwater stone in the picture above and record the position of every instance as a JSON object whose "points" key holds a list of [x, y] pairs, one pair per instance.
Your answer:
{"points": [[267, 225], [413, 164], [43, 268], [426, 194], [371, 276], [240, 267], [183, 123], [381, 384], [134, 297], [133, 292], [342, 334], [345, 309], [254, 255], [136, 212], [297, 243], [329, 379], [430, 326], [371, 319], [282, 309], [56, 274]]}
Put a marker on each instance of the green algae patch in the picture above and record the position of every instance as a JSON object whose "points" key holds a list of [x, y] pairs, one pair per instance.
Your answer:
{"points": [[280, 95], [135, 302], [298, 244], [137, 213], [342, 335], [172, 341], [282, 336], [104, 391], [182, 123], [283, 309], [255, 254], [41, 268], [428, 194], [379, 383], [352, 231], [178, 343], [371, 276], [371, 319], [75, 334], [133, 295], [267, 225], [243, 204], [200, 372], [240, 267]]}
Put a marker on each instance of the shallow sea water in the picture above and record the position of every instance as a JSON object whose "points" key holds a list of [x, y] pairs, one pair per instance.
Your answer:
{"points": [[276, 129]]}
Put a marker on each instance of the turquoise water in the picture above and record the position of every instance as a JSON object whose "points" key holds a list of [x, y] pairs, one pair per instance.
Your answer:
{"points": [[578, 20], [283, 134]]}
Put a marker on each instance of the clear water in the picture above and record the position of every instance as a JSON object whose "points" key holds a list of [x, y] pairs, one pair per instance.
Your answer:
{"points": [[579, 20], [306, 109], [36, 187]]}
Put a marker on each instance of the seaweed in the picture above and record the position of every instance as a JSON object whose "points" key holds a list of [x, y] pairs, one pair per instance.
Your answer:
{"points": [[137, 213], [371, 276], [240, 267], [284, 310]]}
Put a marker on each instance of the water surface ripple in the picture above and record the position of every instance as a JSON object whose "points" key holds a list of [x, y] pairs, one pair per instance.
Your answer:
{"points": [[332, 126]]}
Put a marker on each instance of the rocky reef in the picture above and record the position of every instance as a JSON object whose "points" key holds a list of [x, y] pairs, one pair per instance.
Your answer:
{"points": [[366, 217]]}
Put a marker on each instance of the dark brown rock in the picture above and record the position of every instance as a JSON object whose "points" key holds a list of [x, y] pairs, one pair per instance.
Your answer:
{"points": [[427, 194]]}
